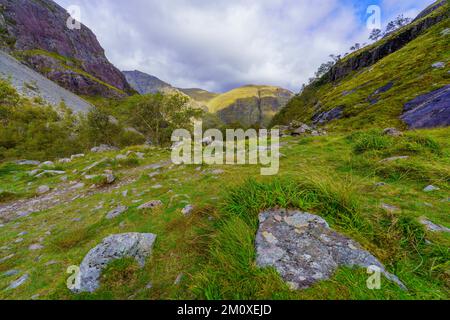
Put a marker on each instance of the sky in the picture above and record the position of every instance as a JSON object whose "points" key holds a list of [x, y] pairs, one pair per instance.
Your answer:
{"points": [[218, 45]]}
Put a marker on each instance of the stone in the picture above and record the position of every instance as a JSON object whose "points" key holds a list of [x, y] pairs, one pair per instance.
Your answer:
{"points": [[36, 247], [28, 163], [153, 174], [178, 279], [187, 210], [103, 148], [393, 132], [380, 184], [77, 156], [304, 249], [19, 240], [121, 157], [432, 226], [6, 258], [116, 212], [65, 160], [431, 188], [325, 117], [140, 155], [10, 273], [43, 189], [445, 32], [110, 178], [47, 164], [157, 186], [390, 208], [125, 193], [149, 285], [151, 205], [438, 65], [391, 159], [77, 186], [18, 282], [128, 245], [217, 172], [429, 110]]}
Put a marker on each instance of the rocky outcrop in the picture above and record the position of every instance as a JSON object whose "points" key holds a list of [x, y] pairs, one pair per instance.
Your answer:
{"points": [[304, 249], [145, 83], [72, 58], [369, 57], [129, 245], [31, 84], [429, 110]]}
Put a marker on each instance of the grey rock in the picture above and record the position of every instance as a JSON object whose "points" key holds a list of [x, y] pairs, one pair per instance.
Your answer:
{"points": [[134, 245], [77, 186], [28, 163], [391, 159], [393, 132], [187, 210], [432, 226], [178, 279], [121, 157], [43, 189], [151, 205], [6, 258], [11, 273], [65, 160], [103, 148], [438, 65], [304, 249], [325, 117], [18, 282], [429, 110], [390, 208], [445, 32], [431, 188], [47, 164], [36, 247], [77, 156], [116, 212]]}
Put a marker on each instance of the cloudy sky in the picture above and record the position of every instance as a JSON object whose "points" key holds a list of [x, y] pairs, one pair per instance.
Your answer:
{"points": [[221, 44]]}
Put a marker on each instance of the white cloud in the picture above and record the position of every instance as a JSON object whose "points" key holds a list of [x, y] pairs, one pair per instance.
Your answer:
{"points": [[221, 44]]}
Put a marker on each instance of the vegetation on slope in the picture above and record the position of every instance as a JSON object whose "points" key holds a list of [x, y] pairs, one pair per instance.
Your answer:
{"points": [[409, 70], [212, 250]]}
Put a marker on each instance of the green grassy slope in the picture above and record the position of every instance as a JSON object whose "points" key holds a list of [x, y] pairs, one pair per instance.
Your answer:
{"points": [[213, 248], [199, 95], [229, 98], [409, 69]]}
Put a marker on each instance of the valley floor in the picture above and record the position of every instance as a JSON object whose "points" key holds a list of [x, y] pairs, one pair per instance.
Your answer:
{"points": [[210, 254]]}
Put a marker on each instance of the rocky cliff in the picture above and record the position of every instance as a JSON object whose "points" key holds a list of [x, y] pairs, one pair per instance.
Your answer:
{"points": [[36, 32]]}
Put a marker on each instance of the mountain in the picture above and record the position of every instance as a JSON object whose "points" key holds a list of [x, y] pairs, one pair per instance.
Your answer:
{"points": [[400, 81], [249, 105], [32, 84], [145, 83], [199, 95], [36, 33]]}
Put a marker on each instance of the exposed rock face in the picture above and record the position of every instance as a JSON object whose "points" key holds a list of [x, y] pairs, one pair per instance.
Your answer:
{"points": [[429, 110], [72, 58], [145, 83], [325, 117], [304, 250], [135, 245], [31, 84], [370, 57], [258, 109], [430, 9]]}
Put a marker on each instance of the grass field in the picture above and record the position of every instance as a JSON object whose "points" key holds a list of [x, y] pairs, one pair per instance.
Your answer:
{"points": [[212, 251]]}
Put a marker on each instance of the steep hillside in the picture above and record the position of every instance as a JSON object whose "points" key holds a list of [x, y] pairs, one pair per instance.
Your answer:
{"points": [[36, 32], [145, 83], [398, 81], [249, 105], [199, 95], [32, 84]]}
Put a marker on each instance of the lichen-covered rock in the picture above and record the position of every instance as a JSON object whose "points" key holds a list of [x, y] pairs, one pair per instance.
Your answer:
{"points": [[128, 245], [116, 212], [304, 249], [150, 205]]}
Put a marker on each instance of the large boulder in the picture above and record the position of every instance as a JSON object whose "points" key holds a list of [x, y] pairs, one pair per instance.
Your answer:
{"points": [[429, 110], [304, 249], [128, 245]]}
